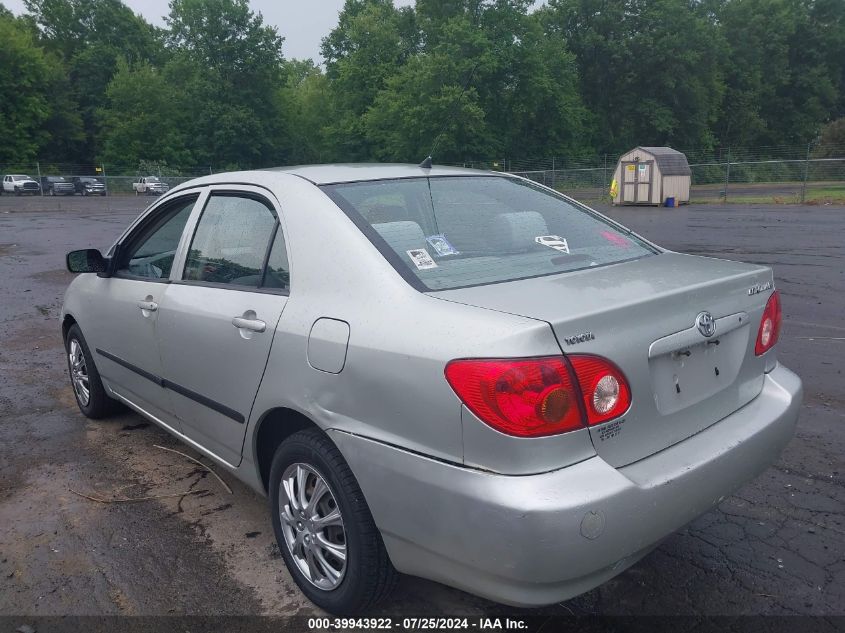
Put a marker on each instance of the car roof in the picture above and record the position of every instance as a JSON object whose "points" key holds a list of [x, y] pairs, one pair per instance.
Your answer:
{"points": [[356, 172], [330, 174]]}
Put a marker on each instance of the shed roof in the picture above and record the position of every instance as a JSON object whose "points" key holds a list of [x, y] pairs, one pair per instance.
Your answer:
{"points": [[670, 161]]}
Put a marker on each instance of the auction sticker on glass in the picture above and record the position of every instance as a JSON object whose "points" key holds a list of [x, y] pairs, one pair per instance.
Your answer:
{"points": [[422, 260]]}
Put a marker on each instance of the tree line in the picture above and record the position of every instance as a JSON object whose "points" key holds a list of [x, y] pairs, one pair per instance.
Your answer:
{"points": [[89, 81]]}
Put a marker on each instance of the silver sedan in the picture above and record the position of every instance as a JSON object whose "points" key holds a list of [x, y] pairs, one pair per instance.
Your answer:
{"points": [[455, 374]]}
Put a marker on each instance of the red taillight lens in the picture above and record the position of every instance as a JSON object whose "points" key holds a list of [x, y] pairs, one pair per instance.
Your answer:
{"points": [[604, 389], [523, 397], [533, 397], [770, 323]]}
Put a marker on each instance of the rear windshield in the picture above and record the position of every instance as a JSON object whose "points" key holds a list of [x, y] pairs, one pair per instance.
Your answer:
{"points": [[451, 232]]}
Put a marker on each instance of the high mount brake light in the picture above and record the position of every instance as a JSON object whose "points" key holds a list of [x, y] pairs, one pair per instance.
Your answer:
{"points": [[535, 397], [770, 324]]}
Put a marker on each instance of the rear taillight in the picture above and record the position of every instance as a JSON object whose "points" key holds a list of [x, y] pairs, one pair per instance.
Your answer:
{"points": [[603, 387], [533, 397], [769, 331]]}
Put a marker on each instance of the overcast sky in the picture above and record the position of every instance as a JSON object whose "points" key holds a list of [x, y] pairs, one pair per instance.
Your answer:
{"points": [[302, 23]]}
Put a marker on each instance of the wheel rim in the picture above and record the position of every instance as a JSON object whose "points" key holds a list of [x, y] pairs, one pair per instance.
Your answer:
{"points": [[79, 373], [313, 526]]}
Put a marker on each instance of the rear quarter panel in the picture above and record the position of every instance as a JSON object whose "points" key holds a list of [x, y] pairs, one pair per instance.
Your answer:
{"points": [[392, 387]]}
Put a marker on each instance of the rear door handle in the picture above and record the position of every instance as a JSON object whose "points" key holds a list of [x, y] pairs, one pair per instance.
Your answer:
{"points": [[149, 306], [253, 325]]}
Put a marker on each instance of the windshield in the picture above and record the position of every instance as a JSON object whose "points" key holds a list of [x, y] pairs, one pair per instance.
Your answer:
{"points": [[452, 232], [152, 179], [21, 178]]}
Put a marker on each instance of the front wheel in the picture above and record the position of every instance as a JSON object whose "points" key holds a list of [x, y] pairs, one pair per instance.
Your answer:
{"points": [[88, 389], [324, 528]]}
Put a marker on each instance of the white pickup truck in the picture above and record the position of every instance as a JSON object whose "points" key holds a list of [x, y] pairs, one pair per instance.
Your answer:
{"points": [[150, 186], [19, 184]]}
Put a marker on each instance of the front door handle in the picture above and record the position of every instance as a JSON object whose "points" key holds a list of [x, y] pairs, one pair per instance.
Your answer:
{"points": [[148, 306], [253, 325]]}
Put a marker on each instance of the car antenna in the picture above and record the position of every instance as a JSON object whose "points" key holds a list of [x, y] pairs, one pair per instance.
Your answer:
{"points": [[426, 164]]}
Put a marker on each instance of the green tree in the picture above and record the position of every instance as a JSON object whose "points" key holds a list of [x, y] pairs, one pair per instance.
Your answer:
{"points": [[306, 102], [650, 70], [786, 72], [831, 141], [88, 37], [487, 82], [361, 53], [32, 90], [228, 66], [141, 120]]}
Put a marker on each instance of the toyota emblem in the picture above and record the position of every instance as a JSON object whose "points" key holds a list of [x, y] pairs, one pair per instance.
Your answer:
{"points": [[706, 324]]}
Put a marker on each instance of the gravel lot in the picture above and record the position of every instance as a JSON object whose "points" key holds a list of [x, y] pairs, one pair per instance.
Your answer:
{"points": [[776, 547]]}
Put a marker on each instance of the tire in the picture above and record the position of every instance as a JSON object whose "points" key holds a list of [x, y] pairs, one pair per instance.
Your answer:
{"points": [[367, 577], [17, 192], [84, 193], [99, 404]]}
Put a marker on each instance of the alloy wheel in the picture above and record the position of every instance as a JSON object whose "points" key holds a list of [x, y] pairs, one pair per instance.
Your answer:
{"points": [[313, 526], [79, 373]]}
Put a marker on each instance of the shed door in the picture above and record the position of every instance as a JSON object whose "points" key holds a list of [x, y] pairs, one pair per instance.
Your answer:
{"points": [[644, 171], [629, 182], [636, 181]]}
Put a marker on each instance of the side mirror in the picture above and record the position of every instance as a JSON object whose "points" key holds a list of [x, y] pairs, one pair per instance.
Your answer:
{"points": [[87, 260]]}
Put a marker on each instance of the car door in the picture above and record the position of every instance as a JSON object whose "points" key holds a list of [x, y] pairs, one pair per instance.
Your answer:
{"points": [[123, 327], [217, 322]]}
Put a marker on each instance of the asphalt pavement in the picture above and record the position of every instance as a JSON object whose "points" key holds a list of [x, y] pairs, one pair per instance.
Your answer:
{"points": [[775, 547]]}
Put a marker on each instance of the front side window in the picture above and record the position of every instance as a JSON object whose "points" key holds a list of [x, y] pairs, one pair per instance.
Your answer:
{"points": [[150, 254], [231, 240], [451, 232]]}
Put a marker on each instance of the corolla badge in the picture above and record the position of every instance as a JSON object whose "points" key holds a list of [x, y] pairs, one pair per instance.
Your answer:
{"points": [[706, 324], [758, 288]]}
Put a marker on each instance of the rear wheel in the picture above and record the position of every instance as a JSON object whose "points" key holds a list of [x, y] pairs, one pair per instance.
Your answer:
{"points": [[91, 396], [324, 528]]}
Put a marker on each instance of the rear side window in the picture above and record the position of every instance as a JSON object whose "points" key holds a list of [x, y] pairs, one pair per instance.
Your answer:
{"points": [[452, 232], [231, 241], [277, 274]]}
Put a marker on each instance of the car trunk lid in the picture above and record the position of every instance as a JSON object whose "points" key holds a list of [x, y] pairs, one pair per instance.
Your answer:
{"points": [[642, 316]]}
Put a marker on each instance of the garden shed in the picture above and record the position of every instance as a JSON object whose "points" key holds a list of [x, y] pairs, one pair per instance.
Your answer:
{"points": [[652, 175]]}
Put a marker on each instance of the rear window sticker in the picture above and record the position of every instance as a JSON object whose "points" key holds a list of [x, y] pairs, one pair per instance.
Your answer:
{"points": [[616, 240], [422, 260], [553, 241], [441, 245]]}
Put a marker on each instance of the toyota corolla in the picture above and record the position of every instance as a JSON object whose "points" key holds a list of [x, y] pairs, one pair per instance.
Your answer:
{"points": [[455, 374]]}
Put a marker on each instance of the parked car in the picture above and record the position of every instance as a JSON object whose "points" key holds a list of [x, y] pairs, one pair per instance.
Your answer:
{"points": [[19, 184], [150, 185], [89, 186], [455, 374], [57, 186]]}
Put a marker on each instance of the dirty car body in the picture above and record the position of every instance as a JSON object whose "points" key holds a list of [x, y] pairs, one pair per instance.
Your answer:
{"points": [[530, 396]]}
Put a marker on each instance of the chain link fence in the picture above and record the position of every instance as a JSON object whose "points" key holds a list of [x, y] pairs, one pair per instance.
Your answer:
{"points": [[115, 184], [779, 174]]}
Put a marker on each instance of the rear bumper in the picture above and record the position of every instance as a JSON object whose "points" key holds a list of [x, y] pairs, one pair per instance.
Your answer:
{"points": [[538, 539]]}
